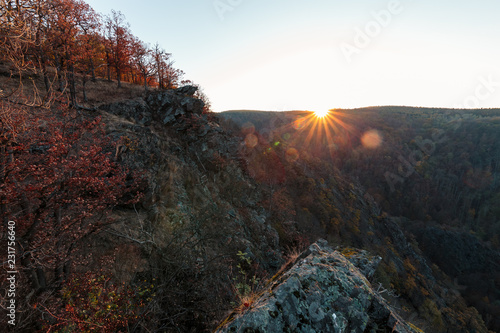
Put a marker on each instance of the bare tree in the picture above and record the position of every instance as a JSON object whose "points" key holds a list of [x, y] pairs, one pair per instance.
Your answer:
{"points": [[143, 59], [168, 76], [19, 22], [118, 42]]}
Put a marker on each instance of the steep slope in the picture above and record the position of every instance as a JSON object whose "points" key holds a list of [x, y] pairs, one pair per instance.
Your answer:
{"points": [[225, 199], [198, 212], [222, 209], [362, 145]]}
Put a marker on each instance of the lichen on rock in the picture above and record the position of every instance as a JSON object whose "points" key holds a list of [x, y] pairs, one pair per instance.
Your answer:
{"points": [[322, 292]]}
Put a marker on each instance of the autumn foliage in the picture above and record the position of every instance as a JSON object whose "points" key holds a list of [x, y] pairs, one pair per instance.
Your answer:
{"points": [[66, 43], [59, 183], [93, 303]]}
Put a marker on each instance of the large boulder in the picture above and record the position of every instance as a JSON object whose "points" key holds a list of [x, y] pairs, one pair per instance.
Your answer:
{"points": [[187, 90], [169, 105], [322, 292], [165, 106]]}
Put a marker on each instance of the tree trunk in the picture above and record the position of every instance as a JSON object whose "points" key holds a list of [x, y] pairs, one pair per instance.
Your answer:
{"points": [[59, 75], [72, 87], [84, 85], [118, 77], [45, 78], [92, 70], [108, 66]]}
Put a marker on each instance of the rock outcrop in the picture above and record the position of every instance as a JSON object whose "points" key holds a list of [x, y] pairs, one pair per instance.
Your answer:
{"points": [[323, 292], [164, 107]]}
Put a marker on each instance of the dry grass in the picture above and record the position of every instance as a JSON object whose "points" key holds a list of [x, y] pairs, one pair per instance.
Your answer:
{"points": [[103, 92], [290, 260], [245, 302], [31, 89]]}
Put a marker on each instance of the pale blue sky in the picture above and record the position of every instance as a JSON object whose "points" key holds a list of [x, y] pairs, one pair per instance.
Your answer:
{"points": [[323, 54]]}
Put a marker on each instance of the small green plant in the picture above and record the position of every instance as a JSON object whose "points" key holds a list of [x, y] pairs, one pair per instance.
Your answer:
{"points": [[245, 283]]}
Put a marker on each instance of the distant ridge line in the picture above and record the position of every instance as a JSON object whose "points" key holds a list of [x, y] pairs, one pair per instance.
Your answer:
{"points": [[370, 107]]}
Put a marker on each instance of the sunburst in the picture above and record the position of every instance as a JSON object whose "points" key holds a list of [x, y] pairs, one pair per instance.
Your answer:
{"points": [[325, 127], [314, 132], [321, 114]]}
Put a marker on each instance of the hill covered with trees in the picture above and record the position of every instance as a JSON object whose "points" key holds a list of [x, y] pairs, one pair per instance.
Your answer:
{"points": [[127, 206], [435, 169]]}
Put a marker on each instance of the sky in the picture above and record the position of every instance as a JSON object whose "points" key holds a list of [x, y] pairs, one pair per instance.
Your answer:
{"points": [[280, 55]]}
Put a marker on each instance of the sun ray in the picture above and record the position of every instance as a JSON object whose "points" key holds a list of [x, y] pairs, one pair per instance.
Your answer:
{"points": [[321, 114], [315, 133]]}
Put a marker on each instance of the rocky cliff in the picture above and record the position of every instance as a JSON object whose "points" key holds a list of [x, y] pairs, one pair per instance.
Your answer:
{"points": [[323, 292]]}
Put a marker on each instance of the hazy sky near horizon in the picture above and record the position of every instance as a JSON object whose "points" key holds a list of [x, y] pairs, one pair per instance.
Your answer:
{"points": [[323, 54]]}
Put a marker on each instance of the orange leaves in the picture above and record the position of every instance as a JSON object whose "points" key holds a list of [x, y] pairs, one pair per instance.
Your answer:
{"points": [[70, 37]]}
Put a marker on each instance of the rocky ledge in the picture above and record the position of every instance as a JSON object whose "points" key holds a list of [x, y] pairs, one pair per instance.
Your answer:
{"points": [[324, 291], [165, 106]]}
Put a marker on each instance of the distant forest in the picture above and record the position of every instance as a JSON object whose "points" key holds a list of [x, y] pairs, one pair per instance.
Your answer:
{"points": [[433, 165], [436, 170]]}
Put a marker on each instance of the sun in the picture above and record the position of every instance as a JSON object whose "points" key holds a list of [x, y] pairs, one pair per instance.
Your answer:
{"points": [[322, 130], [321, 114]]}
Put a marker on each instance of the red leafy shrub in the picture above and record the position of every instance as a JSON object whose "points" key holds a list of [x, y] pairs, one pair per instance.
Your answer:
{"points": [[92, 303], [58, 184]]}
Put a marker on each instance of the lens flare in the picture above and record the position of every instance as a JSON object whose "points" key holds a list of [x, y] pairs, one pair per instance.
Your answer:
{"points": [[251, 140], [321, 114], [371, 139], [299, 123], [292, 155]]}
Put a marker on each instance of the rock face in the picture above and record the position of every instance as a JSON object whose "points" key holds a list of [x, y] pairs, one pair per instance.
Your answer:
{"points": [[323, 292], [171, 104], [165, 106]]}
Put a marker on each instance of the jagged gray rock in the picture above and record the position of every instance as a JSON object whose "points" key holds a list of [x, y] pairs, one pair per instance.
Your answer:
{"points": [[165, 107], [187, 90], [322, 292], [365, 262]]}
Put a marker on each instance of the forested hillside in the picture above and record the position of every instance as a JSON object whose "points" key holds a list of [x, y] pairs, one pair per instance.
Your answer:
{"points": [[127, 206], [436, 169], [430, 164]]}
